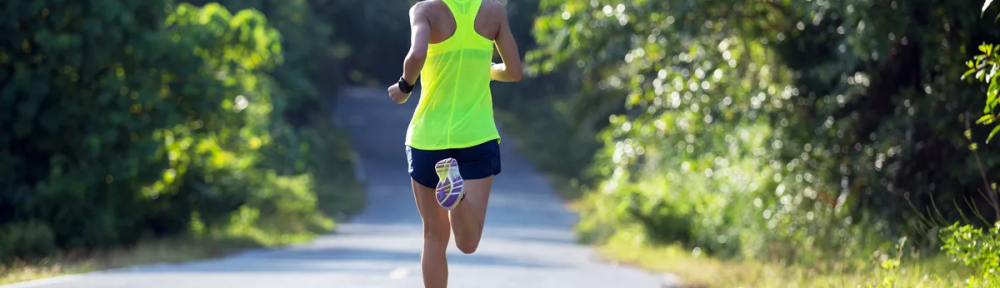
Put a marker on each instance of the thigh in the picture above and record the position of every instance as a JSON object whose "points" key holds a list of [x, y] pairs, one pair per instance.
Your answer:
{"points": [[478, 165], [477, 197], [479, 162], [421, 165], [437, 226]]}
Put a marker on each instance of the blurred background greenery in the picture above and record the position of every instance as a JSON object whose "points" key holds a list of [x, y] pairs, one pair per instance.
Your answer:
{"points": [[809, 135], [779, 143], [125, 121]]}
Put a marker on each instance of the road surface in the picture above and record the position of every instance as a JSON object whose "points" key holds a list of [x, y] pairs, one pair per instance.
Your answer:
{"points": [[528, 241]]}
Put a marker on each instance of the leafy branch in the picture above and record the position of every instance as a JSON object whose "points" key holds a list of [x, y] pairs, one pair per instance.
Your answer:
{"points": [[984, 67]]}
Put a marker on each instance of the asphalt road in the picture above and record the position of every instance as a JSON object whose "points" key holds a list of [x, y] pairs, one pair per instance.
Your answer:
{"points": [[528, 240]]}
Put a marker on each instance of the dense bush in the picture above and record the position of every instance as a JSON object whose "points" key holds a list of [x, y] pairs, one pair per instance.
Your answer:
{"points": [[151, 118], [785, 130]]}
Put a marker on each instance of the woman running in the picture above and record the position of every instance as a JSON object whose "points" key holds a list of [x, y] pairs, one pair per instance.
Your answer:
{"points": [[452, 143]]}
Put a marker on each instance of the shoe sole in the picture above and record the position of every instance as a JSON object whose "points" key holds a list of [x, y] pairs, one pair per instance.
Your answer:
{"points": [[450, 185]]}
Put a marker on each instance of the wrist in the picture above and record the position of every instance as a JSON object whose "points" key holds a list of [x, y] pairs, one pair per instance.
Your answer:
{"points": [[405, 86]]}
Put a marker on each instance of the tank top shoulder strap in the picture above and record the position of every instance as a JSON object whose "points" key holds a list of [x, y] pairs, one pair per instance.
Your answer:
{"points": [[465, 12]]}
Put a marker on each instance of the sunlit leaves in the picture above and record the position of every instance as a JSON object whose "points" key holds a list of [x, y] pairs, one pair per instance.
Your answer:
{"points": [[984, 68], [978, 248]]}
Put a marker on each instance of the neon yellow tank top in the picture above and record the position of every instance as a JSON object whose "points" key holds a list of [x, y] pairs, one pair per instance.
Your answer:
{"points": [[456, 106]]}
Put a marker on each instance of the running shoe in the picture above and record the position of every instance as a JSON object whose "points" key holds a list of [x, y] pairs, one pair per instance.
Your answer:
{"points": [[449, 190]]}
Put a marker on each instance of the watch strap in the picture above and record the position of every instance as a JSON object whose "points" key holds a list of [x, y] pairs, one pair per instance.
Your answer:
{"points": [[404, 86]]}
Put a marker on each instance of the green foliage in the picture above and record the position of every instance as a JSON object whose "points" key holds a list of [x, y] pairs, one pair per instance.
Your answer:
{"points": [[153, 118], [984, 66], [798, 131], [306, 39], [26, 238], [977, 248]]}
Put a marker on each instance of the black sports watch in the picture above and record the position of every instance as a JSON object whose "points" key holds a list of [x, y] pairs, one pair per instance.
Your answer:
{"points": [[403, 86]]}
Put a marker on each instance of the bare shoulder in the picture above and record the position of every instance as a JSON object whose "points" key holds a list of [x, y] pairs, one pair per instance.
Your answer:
{"points": [[428, 5], [494, 8], [423, 7]]}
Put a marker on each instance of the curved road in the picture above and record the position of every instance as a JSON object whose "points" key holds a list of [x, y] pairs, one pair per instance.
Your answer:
{"points": [[528, 241]]}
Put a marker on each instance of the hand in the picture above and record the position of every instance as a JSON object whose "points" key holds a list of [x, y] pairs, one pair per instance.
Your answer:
{"points": [[397, 95]]}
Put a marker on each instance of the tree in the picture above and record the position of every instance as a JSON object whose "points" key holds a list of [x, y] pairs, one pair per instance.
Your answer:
{"points": [[135, 119], [818, 121]]}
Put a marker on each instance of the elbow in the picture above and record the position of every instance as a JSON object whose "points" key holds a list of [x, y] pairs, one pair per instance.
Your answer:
{"points": [[514, 75]]}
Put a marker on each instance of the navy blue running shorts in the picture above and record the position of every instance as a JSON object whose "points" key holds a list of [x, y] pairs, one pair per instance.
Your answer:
{"points": [[476, 162]]}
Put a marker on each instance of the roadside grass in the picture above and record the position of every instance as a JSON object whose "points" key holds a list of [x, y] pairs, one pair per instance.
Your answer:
{"points": [[708, 272], [698, 270], [266, 233], [173, 250]]}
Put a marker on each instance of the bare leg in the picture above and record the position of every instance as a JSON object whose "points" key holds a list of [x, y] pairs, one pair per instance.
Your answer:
{"points": [[433, 262], [469, 217]]}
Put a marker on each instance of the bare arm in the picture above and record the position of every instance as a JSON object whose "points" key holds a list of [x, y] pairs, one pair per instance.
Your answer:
{"points": [[420, 36], [510, 70]]}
